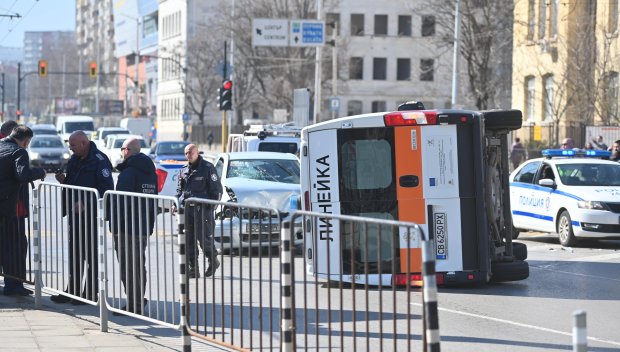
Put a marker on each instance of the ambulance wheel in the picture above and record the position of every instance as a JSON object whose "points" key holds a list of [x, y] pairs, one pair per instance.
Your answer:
{"points": [[565, 230], [519, 250], [515, 232], [509, 271], [503, 119]]}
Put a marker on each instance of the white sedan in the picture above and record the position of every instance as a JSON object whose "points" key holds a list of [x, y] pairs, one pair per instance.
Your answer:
{"points": [[265, 180], [569, 193]]}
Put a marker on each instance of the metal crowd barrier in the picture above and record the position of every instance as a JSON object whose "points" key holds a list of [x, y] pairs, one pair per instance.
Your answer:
{"points": [[141, 257], [261, 300], [238, 306], [66, 241]]}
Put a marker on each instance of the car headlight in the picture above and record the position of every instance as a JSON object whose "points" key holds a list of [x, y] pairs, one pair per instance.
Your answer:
{"points": [[34, 155], [66, 155], [589, 204]]}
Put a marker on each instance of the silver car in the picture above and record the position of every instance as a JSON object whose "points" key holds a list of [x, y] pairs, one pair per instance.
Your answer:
{"points": [[48, 151]]}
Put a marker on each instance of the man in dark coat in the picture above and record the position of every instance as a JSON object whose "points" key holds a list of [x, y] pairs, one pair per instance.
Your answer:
{"points": [[88, 167], [199, 179], [133, 220], [15, 173]]}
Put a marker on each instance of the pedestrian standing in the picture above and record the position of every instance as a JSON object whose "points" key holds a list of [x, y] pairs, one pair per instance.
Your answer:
{"points": [[210, 139], [199, 179], [132, 221], [568, 143], [599, 143], [87, 167], [615, 151], [15, 173], [517, 153]]}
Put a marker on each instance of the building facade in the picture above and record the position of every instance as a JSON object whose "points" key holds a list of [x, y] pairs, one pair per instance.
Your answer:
{"points": [[566, 64]]}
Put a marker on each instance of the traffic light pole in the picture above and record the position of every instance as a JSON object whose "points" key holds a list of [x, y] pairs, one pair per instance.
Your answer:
{"points": [[19, 81], [224, 129]]}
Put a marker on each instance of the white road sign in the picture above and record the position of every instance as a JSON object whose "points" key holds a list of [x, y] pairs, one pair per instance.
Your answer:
{"points": [[307, 33], [269, 32]]}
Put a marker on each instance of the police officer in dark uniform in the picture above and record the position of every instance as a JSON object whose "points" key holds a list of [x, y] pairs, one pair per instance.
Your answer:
{"points": [[200, 180], [15, 174], [88, 167], [132, 221]]}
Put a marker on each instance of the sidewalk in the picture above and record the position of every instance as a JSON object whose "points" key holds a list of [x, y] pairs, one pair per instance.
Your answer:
{"points": [[64, 327]]}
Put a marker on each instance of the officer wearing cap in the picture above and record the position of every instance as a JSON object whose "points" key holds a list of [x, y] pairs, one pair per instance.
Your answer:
{"points": [[199, 179]]}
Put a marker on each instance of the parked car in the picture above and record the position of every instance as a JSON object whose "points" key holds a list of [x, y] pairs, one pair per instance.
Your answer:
{"points": [[113, 145], [571, 193], [168, 150], [101, 133], [48, 152], [256, 179], [44, 129]]}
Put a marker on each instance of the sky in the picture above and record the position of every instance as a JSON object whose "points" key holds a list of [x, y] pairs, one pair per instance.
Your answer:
{"points": [[36, 15]]}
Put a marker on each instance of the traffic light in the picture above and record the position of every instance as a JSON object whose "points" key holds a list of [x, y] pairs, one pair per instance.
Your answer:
{"points": [[225, 95], [92, 69], [42, 68]]}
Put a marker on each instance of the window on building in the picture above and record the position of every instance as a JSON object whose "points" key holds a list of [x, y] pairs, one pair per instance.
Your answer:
{"points": [[548, 97], [378, 106], [427, 70], [531, 19], [613, 16], [357, 24], [150, 25], [530, 95], [612, 96], [330, 20], [354, 107], [404, 25], [428, 26], [379, 68], [403, 69], [553, 20], [381, 24], [356, 68], [542, 19]]}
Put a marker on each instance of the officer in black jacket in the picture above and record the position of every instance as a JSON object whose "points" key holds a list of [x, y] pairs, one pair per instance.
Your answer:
{"points": [[132, 220], [15, 173], [88, 167], [200, 180]]}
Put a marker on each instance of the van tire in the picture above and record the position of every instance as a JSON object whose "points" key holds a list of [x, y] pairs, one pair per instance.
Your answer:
{"points": [[502, 119], [510, 271], [519, 250]]}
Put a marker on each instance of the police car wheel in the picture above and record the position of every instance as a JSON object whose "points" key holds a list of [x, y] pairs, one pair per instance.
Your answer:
{"points": [[565, 230], [510, 271], [519, 250]]}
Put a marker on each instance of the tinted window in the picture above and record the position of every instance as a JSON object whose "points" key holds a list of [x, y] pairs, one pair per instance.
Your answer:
{"points": [[79, 126], [278, 147], [527, 173]]}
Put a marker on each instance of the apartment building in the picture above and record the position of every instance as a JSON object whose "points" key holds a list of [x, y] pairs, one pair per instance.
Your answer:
{"points": [[565, 73]]}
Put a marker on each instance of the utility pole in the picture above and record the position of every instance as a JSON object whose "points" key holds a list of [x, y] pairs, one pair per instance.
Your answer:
{"points": [[317, 70], [137, 65], [455, 61], [64, 69], [19, 93], [334, 66], [2, 108]]}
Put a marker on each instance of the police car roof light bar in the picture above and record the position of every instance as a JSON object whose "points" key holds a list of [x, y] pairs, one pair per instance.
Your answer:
{"points": [[550, 153]]}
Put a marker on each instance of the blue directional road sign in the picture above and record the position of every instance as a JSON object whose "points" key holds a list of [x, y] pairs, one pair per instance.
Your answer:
{"points": [[307, 33]]}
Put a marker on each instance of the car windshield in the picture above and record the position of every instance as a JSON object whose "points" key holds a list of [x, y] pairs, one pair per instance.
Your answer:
{"points": [[71, 127], [590, 174], [43, 130], [46, 143], [119, 143], [171, 148], [106, 133], [284, 171]]}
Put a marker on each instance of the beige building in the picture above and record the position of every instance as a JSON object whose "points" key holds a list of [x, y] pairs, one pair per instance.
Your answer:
{"points": [[565, 67]]}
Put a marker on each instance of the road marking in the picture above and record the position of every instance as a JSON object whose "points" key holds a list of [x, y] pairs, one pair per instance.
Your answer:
{"points": [[597, 258], [550, 268], [529, 326]]}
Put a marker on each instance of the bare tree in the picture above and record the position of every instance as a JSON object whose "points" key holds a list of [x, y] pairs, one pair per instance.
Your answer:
{"points": [[485, 44]]}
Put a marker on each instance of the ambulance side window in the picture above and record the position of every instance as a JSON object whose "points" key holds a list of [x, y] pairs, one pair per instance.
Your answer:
{"points": [[527, 173], [366, 164]]}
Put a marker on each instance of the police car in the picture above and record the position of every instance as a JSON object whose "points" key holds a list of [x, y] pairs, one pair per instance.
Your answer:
{"points": [[573, 193]]}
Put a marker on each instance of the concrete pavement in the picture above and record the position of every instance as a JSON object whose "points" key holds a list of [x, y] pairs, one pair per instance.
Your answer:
{"points": [[64, 327]]}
